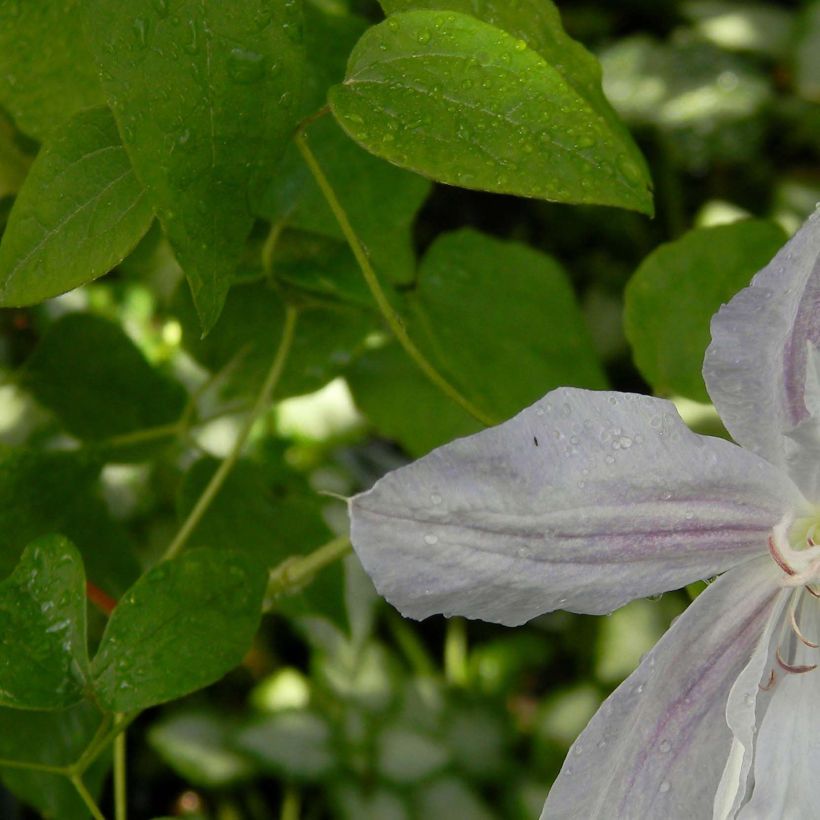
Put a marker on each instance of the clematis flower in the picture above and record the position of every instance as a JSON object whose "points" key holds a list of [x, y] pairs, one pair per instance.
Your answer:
{"points": [[587, 500]]}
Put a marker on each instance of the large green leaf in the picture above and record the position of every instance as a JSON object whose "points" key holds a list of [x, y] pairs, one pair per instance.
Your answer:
{"points": [[673, 294], [500, 322], [380, 200], [538, 24], [43, 656], [53, 739], [270, 518], [38, 493], [385, 383], [46, 71], [181, 627], [205, 95], [199, 747], [43, 492], [79, 213], [329, 38], [249, 330], [466, 103], [98, 383]]}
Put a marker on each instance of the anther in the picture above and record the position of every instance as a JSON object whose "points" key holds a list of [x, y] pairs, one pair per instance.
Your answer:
{"points": [[779, 559], [791, 668], [797, 631], [770, 683]]}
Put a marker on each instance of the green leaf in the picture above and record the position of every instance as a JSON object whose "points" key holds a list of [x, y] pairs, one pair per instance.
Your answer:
{"points": [[38, 494], [320, 267], [181, 627], [380, 200], [46, 70], [406, 755], [14, 160], [329, 38], [706, 101], [198, 746], [79, 213], [538, 24], [205, 95], [700, 271], [466, 103], [44, 660], [269, 518], [500, 322], [53, 739], [450, 797], [97, 382], [385, 382], [46, 492], [294, 744], [807, 56], [249, 330]]}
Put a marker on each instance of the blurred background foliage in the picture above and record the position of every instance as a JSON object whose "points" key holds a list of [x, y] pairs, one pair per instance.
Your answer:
{"points": [[113, 412]]}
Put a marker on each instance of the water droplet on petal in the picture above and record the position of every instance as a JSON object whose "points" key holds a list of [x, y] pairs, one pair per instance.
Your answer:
{"points": [[430, 539]]}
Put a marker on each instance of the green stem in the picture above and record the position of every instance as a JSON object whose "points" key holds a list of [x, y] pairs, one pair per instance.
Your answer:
{"points": [[293, 572], [410, 644], [391, 316], [455, 652], [95, 746], [291, 804], [101, 741], [120, 793], [34, 767], [146, 434], [87, 798], [261, 403]]}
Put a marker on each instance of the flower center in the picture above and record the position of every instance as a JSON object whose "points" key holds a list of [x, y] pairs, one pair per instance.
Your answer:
{"points": [[795, 547]]}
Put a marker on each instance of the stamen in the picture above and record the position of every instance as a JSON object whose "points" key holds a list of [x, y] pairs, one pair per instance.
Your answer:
{"points": [[796, 628], [770, 683], [791, 668], [779, 559]]}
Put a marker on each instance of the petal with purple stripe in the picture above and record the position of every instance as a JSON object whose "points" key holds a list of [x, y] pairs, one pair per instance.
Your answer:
{"points": [[583, 501], [658, 744], [759, 367]]}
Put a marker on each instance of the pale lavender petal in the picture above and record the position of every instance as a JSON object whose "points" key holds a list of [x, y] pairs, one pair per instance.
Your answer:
{"points": [[583, 501], [745, 707], [787, 748], [658, 744], [757, 366], [803, 456]]}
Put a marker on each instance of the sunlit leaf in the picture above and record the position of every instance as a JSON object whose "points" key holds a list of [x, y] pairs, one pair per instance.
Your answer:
{"points": [[43, 656], [182, 626], [466, 103], [79, 213], [205, 95]]}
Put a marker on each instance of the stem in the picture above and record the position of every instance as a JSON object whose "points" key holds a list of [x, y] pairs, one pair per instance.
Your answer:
{"points": [[120, 802], [101, 742], [95, 745], [34, 767], [261, 403], [391, 316], [409, 643], [87, 798], [455, 652], [293, 572], [291, 804], [146, 434]]}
